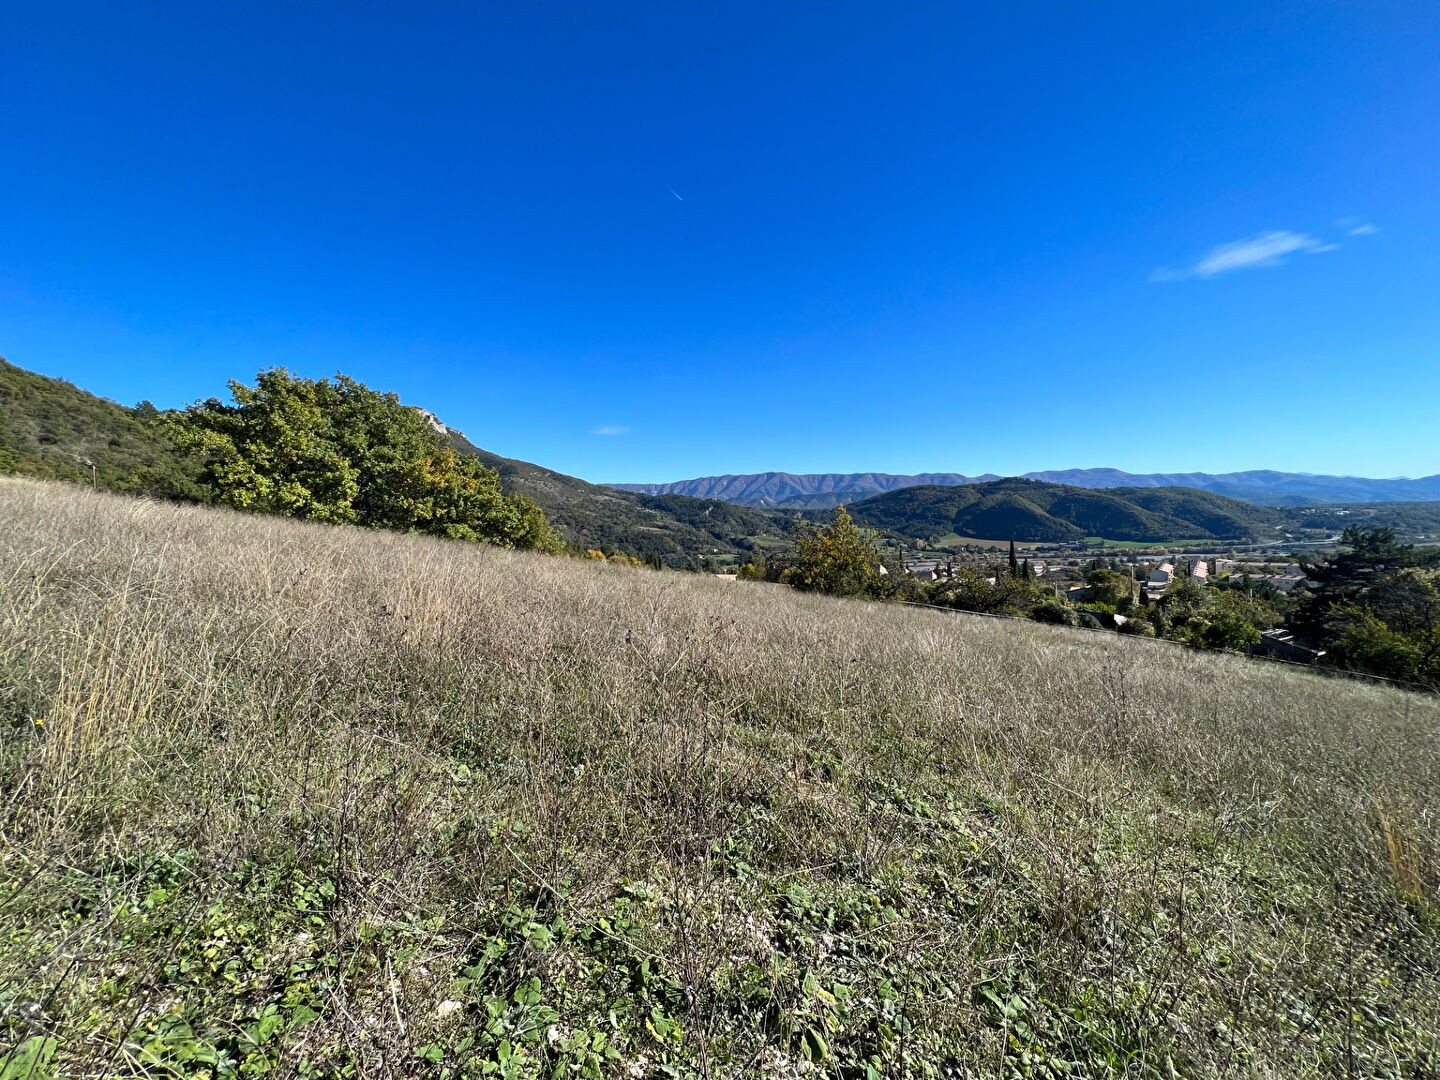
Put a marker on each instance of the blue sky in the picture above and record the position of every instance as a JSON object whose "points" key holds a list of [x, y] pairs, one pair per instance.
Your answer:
{"points": [[655, 241]]}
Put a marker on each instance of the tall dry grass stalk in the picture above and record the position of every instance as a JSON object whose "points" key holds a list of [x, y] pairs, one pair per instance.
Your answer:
{"points": [[390, 789], [1404, 853]]}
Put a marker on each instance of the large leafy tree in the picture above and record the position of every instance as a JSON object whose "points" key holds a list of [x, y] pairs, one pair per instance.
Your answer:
{"points": [[1377, 607], [337, 451], [275, 449]]}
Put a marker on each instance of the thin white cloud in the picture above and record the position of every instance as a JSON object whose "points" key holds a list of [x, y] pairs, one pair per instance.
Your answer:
{"points": [[1166, 273], [1263, 249], [610, 429], [1364, 230]]}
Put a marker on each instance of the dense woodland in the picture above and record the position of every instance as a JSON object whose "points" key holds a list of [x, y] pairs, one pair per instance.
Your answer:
{"points": [[52, 430], [663, 530], [1035, 511]]}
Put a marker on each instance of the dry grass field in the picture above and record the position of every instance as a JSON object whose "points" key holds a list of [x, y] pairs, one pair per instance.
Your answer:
{"points": [[289, 800]]}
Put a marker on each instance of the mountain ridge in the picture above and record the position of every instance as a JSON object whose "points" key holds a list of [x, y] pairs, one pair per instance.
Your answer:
{"points": [[1038, 511], [670, 527], [52, 429], [1262, 487]]}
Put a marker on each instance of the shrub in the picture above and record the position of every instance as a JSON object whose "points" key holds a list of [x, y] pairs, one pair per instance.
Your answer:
{"points": [[1137, 625], [836, 559], [1056, 613]]}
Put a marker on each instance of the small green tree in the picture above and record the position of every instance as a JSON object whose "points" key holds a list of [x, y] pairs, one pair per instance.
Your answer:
{"points": [[754, 569], [1363, 642], [837, 559], [1376, 607], [1055, 612], [1110, 588], [1214, 618]]}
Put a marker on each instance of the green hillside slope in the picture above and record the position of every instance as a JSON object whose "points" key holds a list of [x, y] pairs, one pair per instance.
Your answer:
{"points": [[1031, 510], [297, 800], [673, 528], [51, 429]]}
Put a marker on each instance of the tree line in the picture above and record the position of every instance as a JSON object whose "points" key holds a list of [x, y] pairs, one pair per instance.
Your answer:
{"points": [[53, 430], [1374, 607]]}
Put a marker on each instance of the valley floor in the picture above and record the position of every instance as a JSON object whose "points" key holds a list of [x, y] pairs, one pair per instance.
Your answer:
{"points": [[313, 801]]}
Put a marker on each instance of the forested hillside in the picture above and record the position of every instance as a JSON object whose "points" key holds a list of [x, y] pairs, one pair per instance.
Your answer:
{"points": [[1414, 520], [52, 429], [672, 528], [810, 491], [1264, 487], [1029, 510]]}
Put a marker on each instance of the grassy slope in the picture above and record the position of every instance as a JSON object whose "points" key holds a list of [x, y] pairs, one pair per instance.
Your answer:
{"points": [[326, 798]]}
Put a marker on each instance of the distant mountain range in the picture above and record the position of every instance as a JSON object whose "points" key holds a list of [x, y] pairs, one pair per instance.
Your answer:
{"points": [[1264, 487]]}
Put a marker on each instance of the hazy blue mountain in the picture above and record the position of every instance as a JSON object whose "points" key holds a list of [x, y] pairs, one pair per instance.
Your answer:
{"points": [[801, 491], [1263, 487], [673, 528]]}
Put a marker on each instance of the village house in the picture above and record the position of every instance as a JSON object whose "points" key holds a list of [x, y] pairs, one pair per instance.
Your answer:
{"points": [[1287, 578], [1160, 579], [1283, 645]]}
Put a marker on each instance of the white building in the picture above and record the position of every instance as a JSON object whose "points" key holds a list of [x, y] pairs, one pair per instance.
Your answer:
{"points": [[1160, 579]]}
